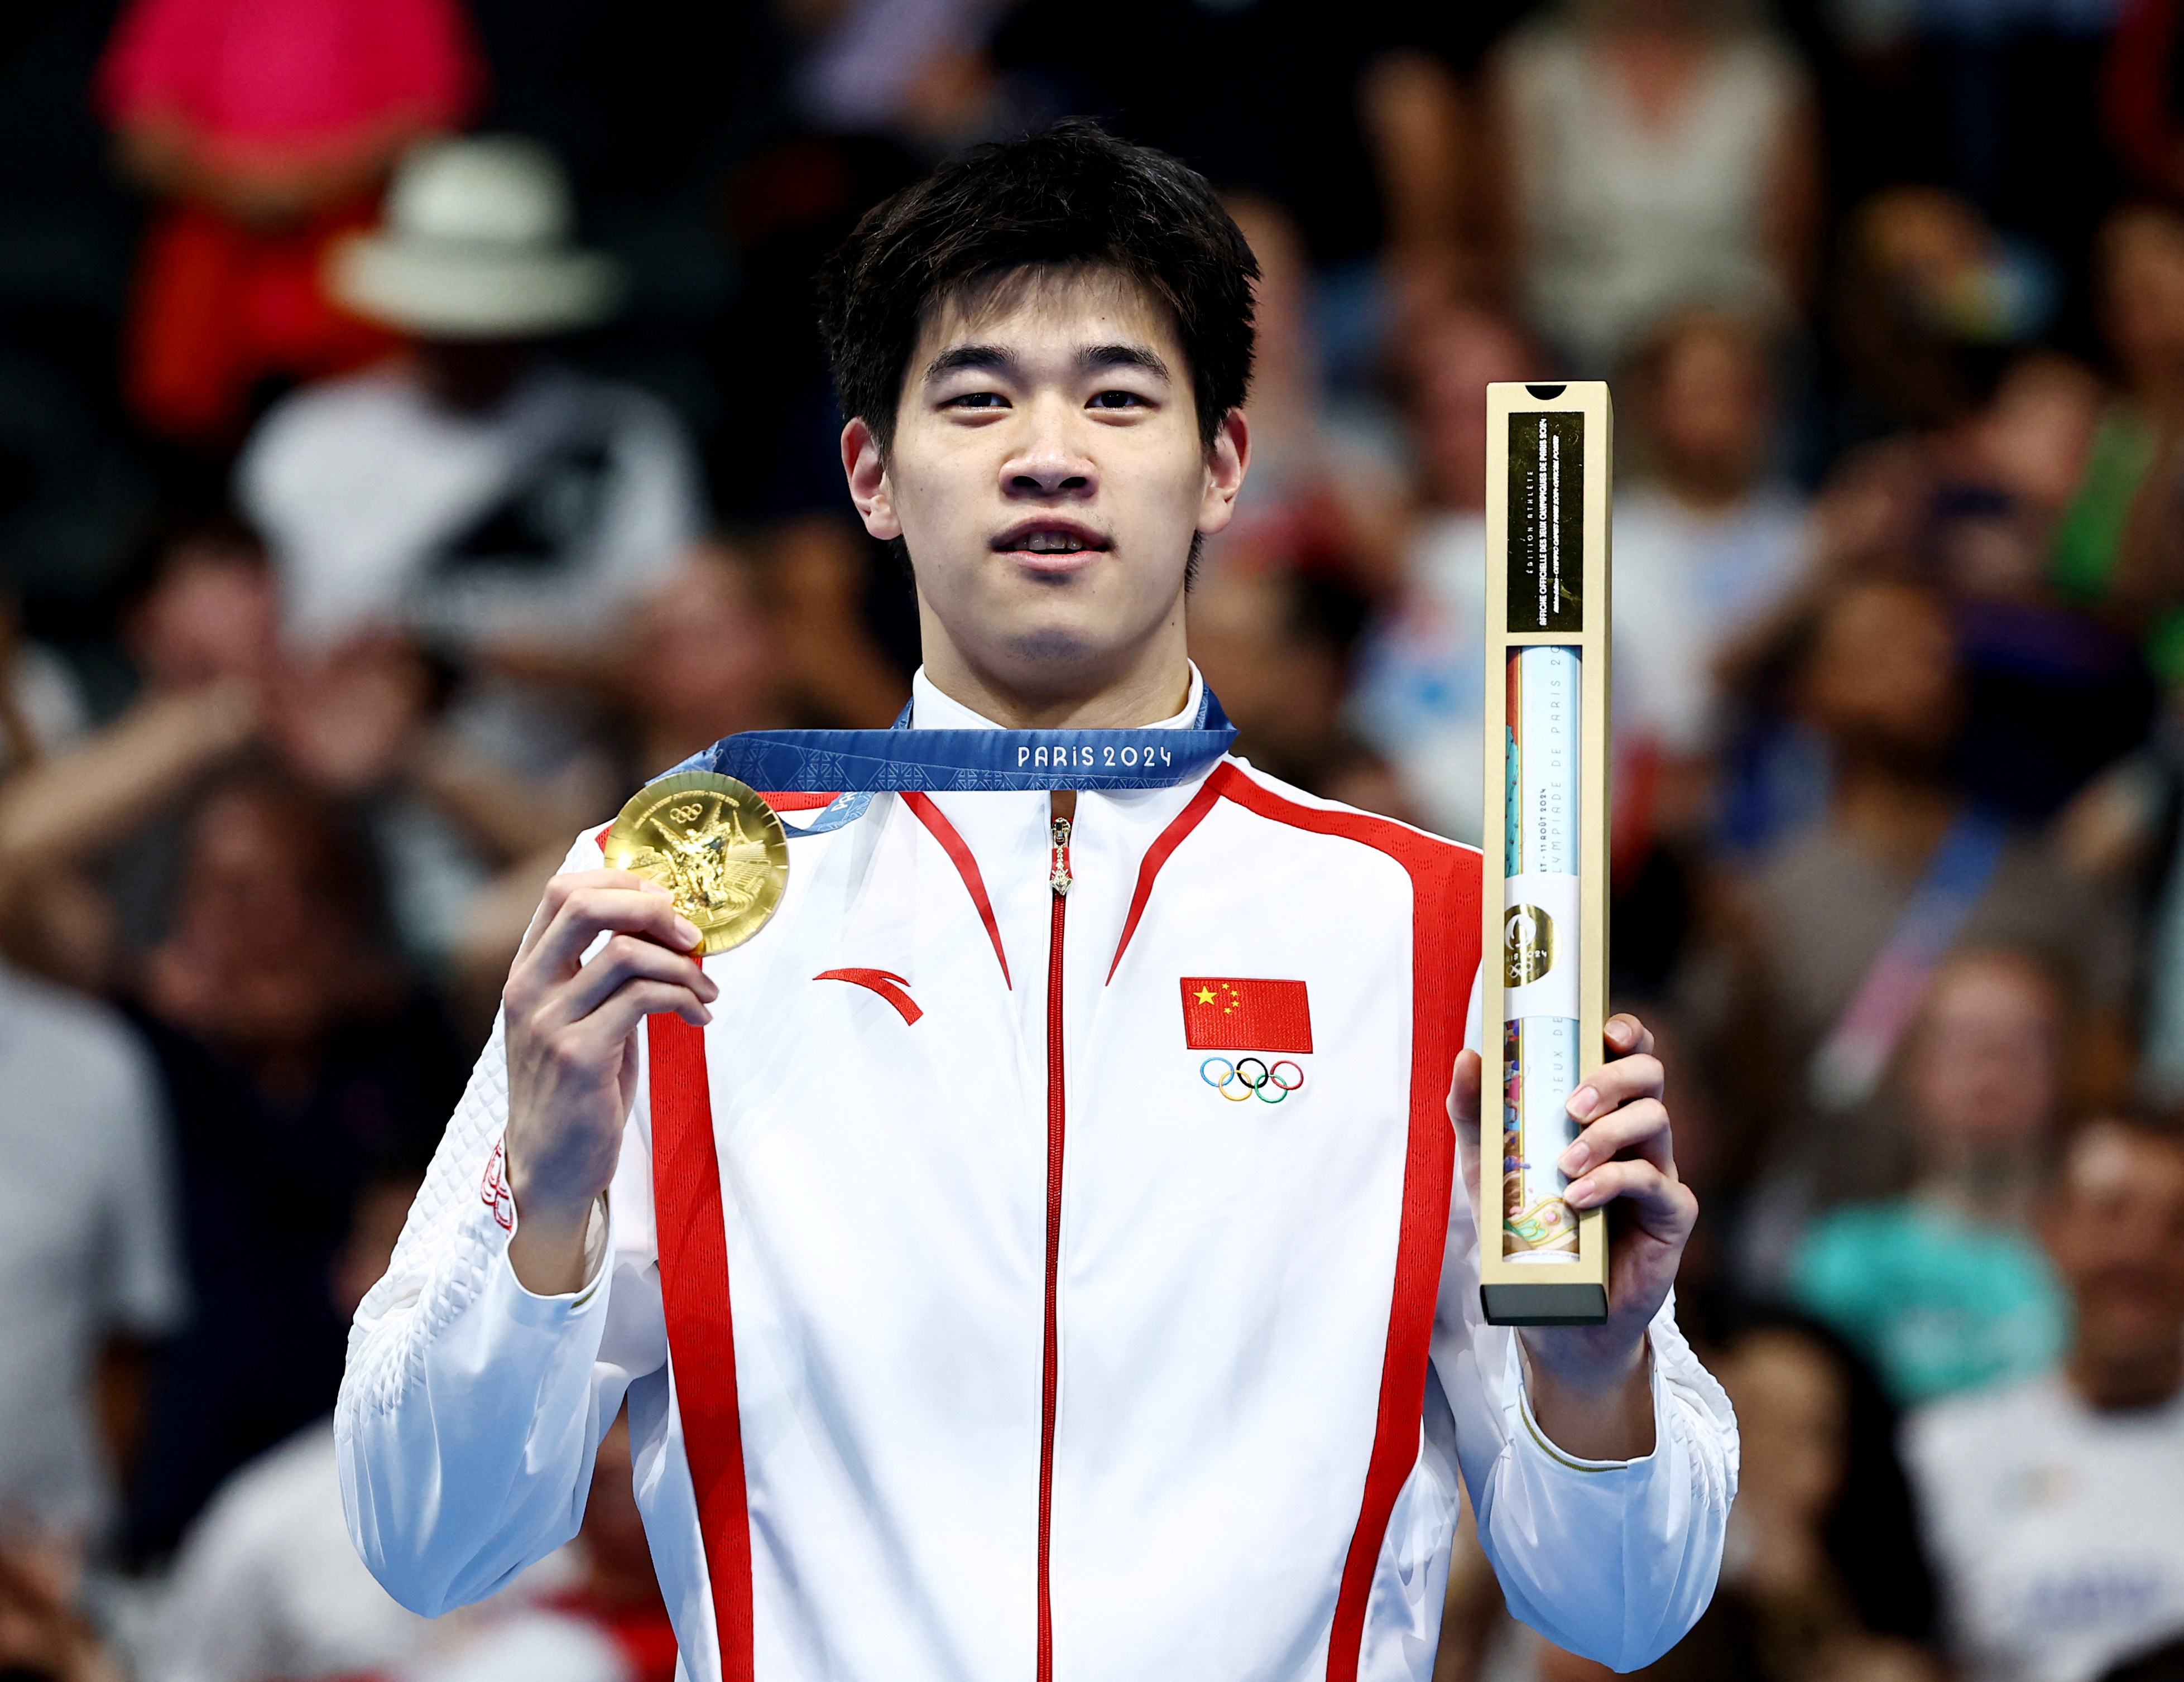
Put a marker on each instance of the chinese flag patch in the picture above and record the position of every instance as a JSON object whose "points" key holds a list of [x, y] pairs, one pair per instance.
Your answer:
{"points": [[1241, 1013]]}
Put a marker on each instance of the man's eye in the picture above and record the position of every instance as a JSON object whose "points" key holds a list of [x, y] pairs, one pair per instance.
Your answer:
{"points": [[978, 400], [1117, 400]]}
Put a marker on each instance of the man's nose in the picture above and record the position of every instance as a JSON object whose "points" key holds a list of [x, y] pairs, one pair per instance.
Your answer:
{"points": [[1049, 462]]}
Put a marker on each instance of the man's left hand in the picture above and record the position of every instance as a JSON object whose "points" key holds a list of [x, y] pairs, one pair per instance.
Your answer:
{"points": [[1591, 1385]]}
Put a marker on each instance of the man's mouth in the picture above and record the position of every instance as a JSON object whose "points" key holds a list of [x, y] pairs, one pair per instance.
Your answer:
{"points": [[1057, 538]]}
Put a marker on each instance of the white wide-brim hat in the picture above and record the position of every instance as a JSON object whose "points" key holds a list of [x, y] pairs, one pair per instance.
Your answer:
{"points": [[474, 245]]}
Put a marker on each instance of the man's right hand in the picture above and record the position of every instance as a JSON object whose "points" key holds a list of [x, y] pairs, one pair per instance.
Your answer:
{"points": [[571, 1034]]}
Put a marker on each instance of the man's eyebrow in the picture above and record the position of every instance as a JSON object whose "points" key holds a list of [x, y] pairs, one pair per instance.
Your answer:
{"points": [[992, 356], [1098, 356]]}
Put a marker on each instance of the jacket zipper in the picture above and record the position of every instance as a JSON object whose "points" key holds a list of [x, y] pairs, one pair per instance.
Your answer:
{"points": [[1058, 880]]}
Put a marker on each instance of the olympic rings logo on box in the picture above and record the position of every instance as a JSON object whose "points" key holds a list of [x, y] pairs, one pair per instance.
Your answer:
{"points": [[1249, 1077]]}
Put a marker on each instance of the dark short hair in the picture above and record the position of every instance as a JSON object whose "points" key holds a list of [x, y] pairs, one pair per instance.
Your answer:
{"points": [[1071, 196]]}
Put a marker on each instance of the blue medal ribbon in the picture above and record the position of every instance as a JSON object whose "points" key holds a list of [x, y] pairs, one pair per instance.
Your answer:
{"points": [[858, 763]]}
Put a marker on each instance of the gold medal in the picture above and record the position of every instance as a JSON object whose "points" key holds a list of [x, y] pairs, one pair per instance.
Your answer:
{"points": [[715, 843]]}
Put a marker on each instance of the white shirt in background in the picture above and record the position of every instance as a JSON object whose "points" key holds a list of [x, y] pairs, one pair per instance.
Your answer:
{"points": [[1626, 219], [2057, 1529], [1420, 695], [1687, 582], [269, 1585], [529, 522], [86, 1237]]}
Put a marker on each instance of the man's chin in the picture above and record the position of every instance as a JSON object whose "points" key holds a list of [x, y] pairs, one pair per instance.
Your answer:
{"points": [[1057, 646]]}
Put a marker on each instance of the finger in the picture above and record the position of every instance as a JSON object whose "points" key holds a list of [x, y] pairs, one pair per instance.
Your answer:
{"points": [[630, 1003], [1659, 1202], [1463, 1091], [625, 957], [1624, 1081], [590, 912], [559, 889], [1626, 1035], [1638, 1129]]}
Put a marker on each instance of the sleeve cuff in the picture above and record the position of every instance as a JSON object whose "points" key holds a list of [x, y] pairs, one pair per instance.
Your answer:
{"points": [[1534, 1436], [533, 1308]]}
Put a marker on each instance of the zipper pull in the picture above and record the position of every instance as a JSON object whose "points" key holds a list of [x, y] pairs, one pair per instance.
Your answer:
{"points": [[1057, 877]]}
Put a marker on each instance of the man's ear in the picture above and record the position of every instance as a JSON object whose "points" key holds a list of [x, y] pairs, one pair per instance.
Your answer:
{"points": [[1227, 460], [865, 468]]}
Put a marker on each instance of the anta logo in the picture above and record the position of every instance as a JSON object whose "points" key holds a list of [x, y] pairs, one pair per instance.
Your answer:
{"points": [[887, 983]]}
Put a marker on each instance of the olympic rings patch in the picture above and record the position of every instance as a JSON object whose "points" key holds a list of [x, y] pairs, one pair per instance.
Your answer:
{"points": [[1249, 1077]]}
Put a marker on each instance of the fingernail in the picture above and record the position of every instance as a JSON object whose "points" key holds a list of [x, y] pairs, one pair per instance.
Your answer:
{"points": [[1579, 1195], [1581, 1102], [645, 884], [687, 931], [1574, 1159]]}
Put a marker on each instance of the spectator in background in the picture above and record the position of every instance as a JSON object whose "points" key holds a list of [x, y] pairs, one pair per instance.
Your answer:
{"points": [[2051, 1506], [2116, 549], [1652, 155], [1829, 1578], [915, 69], [1706, 545], [267, 1586], [1930, 302], [474, 497], [1273, 646], [89, 837], [1841, 925], [1944, 1288], [1419, 693], [1824, 1579], [294, 1056], [2008, 474], [87, 1243], [267, 126], [473, 492], [701, 660], [1323, 499]]}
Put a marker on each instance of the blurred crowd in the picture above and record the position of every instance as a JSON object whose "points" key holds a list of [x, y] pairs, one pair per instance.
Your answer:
{"points": [[413, 434]]}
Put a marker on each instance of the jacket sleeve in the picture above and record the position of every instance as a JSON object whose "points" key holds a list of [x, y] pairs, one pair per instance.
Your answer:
{"points": [[1612, 1559], [471, 1408]]}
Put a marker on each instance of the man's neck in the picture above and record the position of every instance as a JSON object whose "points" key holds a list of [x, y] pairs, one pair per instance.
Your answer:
{"points": [[1145, 692]]}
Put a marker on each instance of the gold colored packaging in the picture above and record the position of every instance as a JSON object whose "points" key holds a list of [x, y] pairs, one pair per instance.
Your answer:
{"points": [[1550, 473]]}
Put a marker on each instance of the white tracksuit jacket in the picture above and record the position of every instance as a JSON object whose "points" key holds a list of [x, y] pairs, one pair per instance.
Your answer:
{"points": [[1045, 1360]]}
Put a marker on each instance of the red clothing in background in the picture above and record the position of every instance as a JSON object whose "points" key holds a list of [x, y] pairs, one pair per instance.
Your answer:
{"points": [[261, 89]]}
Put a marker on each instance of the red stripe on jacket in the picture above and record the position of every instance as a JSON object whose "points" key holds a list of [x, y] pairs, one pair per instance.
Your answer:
{"points": [[701, 1333]]}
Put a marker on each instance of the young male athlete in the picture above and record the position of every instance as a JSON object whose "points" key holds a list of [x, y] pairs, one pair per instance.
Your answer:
{"points": [[1042, 1251]]}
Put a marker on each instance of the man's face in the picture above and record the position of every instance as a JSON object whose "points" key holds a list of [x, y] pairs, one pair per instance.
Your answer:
{"points": [[1047, 475], [1984, 1066], [1884, 675], [2116, 1231]]}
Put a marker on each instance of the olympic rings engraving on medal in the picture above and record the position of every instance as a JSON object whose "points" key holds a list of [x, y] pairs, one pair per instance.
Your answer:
{"points": [[1247, 1085]]}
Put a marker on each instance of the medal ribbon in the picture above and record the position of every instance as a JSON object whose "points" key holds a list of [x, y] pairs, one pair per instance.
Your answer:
{"points": [[862, 763]]}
